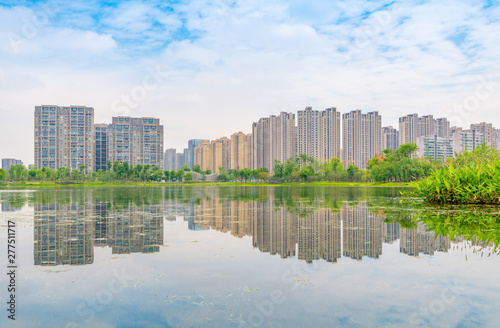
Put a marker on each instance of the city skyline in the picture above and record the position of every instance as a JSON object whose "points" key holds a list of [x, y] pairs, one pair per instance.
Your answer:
{"points": [[206, 69], [66, 136]]}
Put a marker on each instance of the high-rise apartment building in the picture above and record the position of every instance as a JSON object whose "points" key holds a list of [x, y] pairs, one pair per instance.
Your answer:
{"points": [[408, 129], [411, 127], [426, 125], [202, 156], [179, 161], [443, 127], [64, 137], [466, 140], [170, 159], [390, 138], [136, 141], [241, 151], [261, 144], [361, 137], [309, 132], [192, 144], [8, 162], [437, 148], [101, 147], [488, 131], [318, 133], [273, 139], [220, 154]]}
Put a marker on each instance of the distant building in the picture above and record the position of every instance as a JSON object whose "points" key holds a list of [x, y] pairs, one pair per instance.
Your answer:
{"points": [[241, 151], [170, 160], [361, 137], [466, 140], [318, 133], [192, 144], [443, 127], [412, 126], [220, 154], [179, 161], [273, 139], [434, 147], [101, 147], [488, 131], [136, 141], [390, 138], [202, 156], [64, 137], [8, 162]]}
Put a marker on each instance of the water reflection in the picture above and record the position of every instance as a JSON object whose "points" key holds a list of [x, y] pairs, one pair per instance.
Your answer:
{"points": [[68, 226], [67, 234]]}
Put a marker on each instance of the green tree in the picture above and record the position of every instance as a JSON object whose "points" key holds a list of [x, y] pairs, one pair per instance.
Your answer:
{"points": [[263, 175], [3, 174], [197, 168], [188, 177]]}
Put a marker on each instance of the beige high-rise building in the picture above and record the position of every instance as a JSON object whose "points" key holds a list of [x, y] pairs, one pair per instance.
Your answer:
{"points": [[273, 139], [202, 156], [318, 133], [241, 151], [411, 127], [361, 137], [427, 126], [220, 154], [408, 129], [443, 127], [64, 137], [136, 141], [488, 131]]}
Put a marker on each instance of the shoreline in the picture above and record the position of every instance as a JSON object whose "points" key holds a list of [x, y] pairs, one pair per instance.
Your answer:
{"points": [[19, 185]]}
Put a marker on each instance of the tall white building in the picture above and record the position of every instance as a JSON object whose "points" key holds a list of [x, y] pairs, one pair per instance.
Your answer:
{"points": [[437, 148], [136, 141], [412, 126], [64, 137], [466, 140], [318, 133], [273, 139], [361, 137]]}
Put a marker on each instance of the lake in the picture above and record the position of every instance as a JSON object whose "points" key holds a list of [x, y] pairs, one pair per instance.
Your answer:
{"points": [[246, 257]]}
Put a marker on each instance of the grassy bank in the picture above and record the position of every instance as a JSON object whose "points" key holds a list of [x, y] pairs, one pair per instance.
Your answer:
{"points": [[26, 185]]}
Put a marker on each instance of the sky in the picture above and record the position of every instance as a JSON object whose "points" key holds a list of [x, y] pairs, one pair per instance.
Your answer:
{"points": [[208, 69]]}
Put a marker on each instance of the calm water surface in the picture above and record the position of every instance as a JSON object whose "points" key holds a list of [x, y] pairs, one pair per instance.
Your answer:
{"points": [[247, 257]]}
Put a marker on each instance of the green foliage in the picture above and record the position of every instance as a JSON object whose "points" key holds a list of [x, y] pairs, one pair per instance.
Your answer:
{"points": [[188, 177], [470, 178], [3, 174], [400, 165], [197, 168]]}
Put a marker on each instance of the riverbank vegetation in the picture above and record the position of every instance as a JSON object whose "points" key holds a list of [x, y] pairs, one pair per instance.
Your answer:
{"points": [[470, 178], [392, 166]]}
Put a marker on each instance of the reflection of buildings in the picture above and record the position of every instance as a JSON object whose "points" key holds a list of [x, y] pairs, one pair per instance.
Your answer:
{"points": [[416, 241], [274, 231], [63, 234], [67, 233], [362, 232], [354, 232], [6, 207], [135, 229]]}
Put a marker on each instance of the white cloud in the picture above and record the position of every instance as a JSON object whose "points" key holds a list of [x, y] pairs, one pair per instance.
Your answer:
{"points": [[245, 60]]}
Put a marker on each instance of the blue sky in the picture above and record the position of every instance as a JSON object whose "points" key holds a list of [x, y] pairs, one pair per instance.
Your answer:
{"points": [[208, 69]]}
